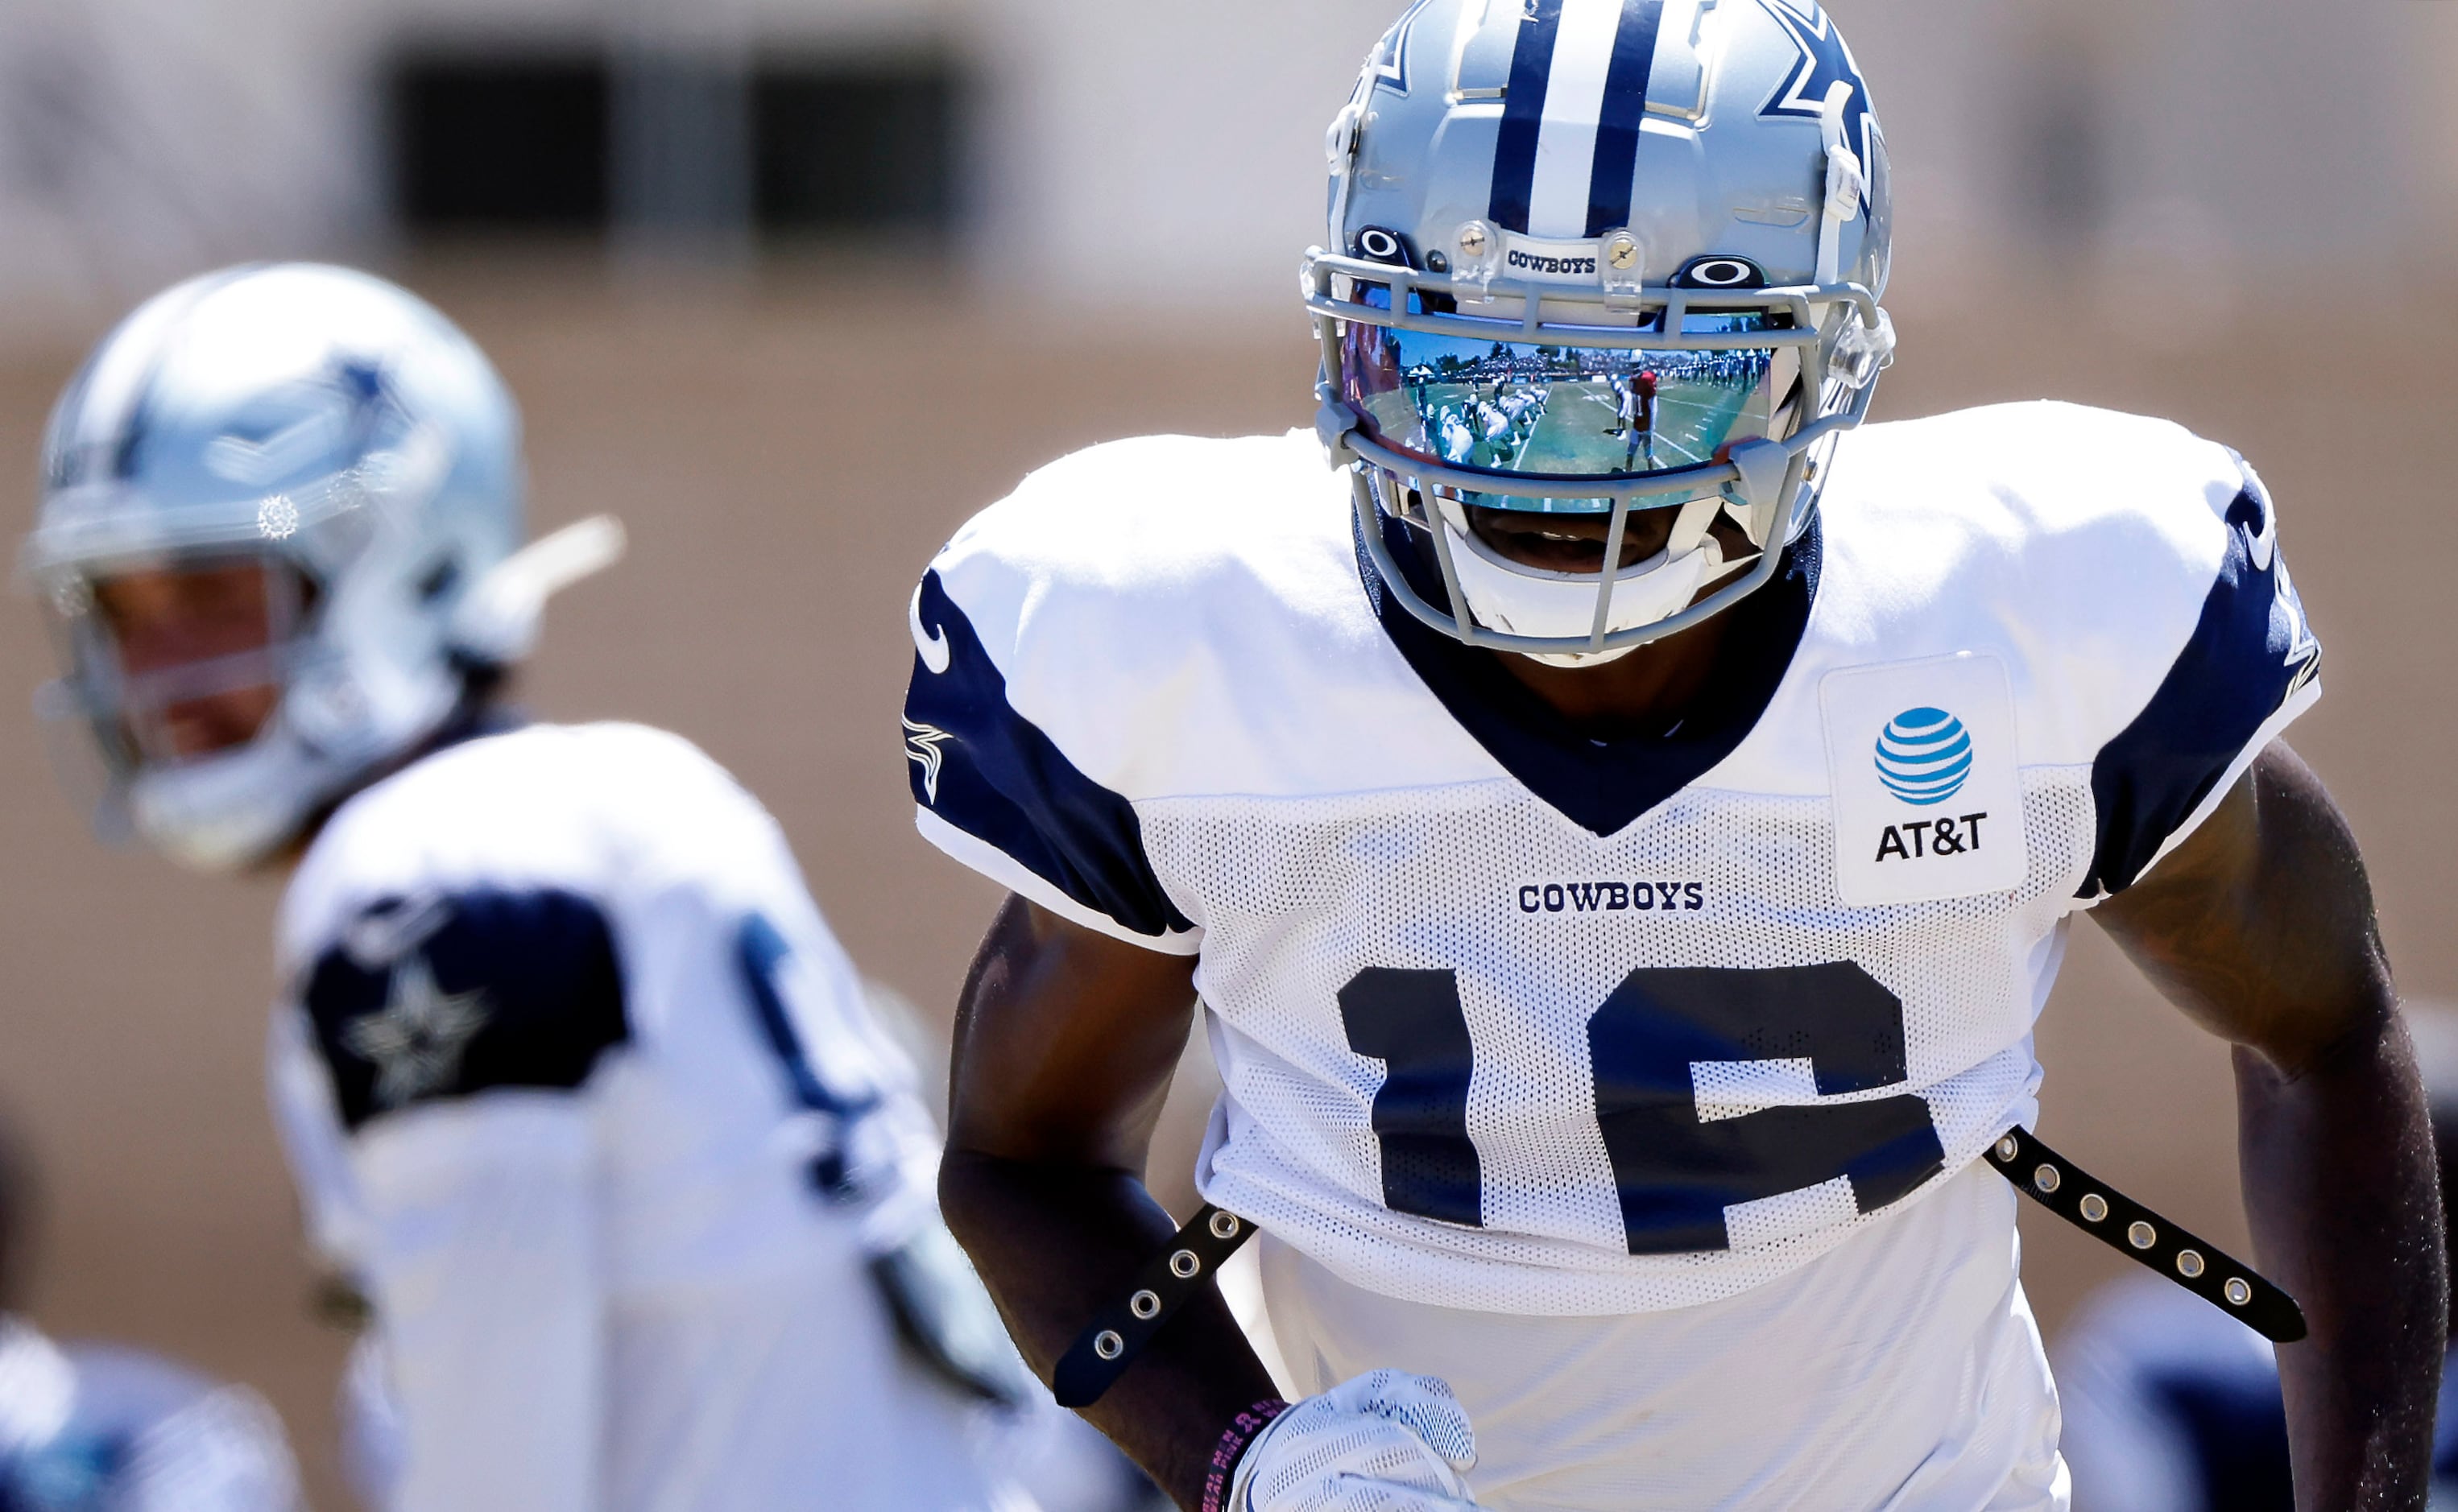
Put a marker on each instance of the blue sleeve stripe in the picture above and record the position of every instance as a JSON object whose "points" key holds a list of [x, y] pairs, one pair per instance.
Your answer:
{"points": [[2249, 654], [990, 771]]}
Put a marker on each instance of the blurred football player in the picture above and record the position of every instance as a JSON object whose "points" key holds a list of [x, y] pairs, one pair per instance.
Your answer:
{"points": [[1635, 417], [97, 1428], [2169, 1407], [581, 1091], [1620, 900]]}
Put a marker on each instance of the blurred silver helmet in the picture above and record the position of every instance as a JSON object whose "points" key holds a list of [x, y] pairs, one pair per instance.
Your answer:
{"points": [[342, 436], [1598, 257]]}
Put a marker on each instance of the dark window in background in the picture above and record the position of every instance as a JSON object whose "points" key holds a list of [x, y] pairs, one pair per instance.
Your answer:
{"points": [[503, 142], [841, 145], [496, 142]]}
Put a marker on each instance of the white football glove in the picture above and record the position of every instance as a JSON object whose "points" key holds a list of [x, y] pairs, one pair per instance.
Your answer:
{"points": [[1383, 1442]]}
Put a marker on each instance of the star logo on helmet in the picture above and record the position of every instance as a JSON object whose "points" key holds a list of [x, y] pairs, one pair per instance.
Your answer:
{"points": [[416, 1041], [1825, 61], [1388, 67]]}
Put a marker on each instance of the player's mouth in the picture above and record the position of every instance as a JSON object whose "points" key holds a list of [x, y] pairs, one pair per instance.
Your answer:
{"points": [[190, 729], [1569, 543]]}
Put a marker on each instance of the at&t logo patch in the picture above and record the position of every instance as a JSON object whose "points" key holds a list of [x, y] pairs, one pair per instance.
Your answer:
{"points": [[1928, 794], [1923, 756], [1925, 838]]}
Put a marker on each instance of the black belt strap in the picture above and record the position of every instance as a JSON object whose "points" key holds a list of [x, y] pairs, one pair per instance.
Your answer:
{"points": [[2137, 1232], [1116, 1334]]}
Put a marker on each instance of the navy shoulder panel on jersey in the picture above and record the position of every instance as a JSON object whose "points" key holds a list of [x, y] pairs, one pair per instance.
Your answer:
{"points": [[429, 998], [1603, 785], [989, 771], [2249, 653]]}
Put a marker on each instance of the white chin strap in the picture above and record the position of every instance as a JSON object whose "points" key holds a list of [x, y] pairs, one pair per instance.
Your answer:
{"points": [[1520, 600]]}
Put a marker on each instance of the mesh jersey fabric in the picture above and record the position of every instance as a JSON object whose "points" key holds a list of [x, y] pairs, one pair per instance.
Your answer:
{"points": [[1479, 1055]]}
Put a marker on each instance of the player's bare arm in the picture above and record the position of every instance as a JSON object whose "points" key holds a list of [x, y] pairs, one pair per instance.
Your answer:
{"points": [[1065, 1043], [2260, 927]]}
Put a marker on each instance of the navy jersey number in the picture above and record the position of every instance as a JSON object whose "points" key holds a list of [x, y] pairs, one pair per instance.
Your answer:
{"points": [[1675, 1172], [761, 952], [1412, 1023]]}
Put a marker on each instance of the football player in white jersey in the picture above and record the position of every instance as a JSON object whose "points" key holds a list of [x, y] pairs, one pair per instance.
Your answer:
{"points": [[1619, 901], [581, 1091]]}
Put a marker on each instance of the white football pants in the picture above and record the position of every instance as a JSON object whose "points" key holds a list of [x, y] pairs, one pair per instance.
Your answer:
{"points": [[1902, 1371]]}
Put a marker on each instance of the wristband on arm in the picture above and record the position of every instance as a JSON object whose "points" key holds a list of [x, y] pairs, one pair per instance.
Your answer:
{"points": [[1234, 1440]]}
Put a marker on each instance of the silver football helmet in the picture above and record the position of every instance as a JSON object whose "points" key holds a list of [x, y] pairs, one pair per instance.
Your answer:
{"points": [[329, 429], [1599, 256]]}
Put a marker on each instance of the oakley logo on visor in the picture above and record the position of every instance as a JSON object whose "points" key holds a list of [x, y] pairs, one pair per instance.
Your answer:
{"points": [[1720, 273], [1375, 244]]}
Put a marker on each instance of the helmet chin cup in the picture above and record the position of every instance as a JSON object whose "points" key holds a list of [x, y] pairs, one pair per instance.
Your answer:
{"points": [[1764, 480], [1521, 600], [227, 812]]}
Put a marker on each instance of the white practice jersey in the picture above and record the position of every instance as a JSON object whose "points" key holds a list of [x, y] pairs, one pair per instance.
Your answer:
{"points": [[93, 1428], [584, 1095], [1514, 1020]]}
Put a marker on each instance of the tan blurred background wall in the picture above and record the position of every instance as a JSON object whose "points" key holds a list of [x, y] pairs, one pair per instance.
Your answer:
{"points": [[2231, 212], [1162, 141]]}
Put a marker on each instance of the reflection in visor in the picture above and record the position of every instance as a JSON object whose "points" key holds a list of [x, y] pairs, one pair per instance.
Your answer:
{"points": [[1557, 411]]}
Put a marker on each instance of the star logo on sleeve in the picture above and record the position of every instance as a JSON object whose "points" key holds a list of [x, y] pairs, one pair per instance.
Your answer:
{"points": [[922, 744], [416, 1041]]}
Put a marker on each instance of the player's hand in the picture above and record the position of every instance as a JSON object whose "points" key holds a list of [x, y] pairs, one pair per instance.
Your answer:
{"points": [[1383, 1442]]}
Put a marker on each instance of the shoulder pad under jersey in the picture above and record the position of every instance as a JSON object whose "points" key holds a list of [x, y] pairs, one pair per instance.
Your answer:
{"points": [[2127, 574], [1152, 619]]}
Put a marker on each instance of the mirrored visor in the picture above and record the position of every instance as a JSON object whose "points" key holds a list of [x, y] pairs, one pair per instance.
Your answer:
{"points": [[1558, 411]]}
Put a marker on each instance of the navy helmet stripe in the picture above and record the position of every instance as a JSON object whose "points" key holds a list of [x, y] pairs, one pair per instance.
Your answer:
{"points": [[1522, 116], [1625, 107]]}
